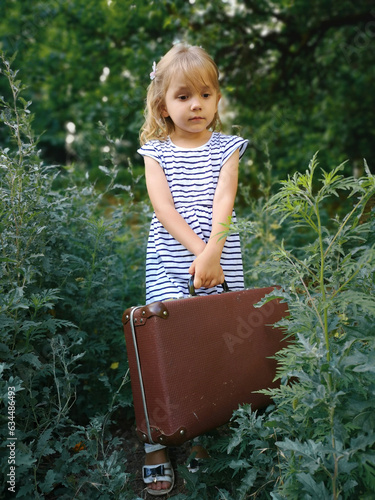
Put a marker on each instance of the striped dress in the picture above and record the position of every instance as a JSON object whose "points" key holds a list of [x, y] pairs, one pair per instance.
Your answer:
{"points": [[192, 176]]}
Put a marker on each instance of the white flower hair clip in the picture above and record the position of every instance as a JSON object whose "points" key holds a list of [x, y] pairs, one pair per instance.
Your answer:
{"points": [[153, 72]]}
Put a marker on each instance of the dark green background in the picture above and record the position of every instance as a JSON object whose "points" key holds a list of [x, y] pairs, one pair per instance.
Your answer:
{"points": [[298, 76]]}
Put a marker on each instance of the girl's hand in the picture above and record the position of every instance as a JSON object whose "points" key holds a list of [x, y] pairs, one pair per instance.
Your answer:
{"points": [[207, 270]]}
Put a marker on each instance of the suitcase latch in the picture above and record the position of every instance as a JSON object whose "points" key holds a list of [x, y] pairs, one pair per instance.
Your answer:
{"points": [[143, 313]]}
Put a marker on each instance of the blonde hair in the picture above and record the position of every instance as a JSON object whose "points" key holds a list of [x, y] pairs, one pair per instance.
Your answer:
{"points": [[193, 62]]}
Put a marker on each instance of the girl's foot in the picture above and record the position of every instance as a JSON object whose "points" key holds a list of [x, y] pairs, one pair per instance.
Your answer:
{"points": [[162, 469], [199, 453]]}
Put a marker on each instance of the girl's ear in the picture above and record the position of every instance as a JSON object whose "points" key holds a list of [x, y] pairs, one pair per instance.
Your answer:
{"points": [[162, 108]]}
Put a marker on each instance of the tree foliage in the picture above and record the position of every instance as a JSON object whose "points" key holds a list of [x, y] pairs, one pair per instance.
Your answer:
{"points": [[297, 75]]}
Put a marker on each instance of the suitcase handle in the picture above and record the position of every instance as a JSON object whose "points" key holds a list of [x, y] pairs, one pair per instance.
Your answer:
{"points": [[192, 289]]}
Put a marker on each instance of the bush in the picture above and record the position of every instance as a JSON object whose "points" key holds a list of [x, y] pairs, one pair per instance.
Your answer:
{"points": [[318, 439], [65, 281]]}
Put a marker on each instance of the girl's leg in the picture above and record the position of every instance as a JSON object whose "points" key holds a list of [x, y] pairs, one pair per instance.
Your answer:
{"points": [[149, 448], [157, 455], [199, 453], [197, 447]]}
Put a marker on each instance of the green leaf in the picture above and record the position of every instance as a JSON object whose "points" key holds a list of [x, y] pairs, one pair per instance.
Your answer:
{"points": [[316, 490], [43, 446], [361, 299], [48, 484], [362, 442]]}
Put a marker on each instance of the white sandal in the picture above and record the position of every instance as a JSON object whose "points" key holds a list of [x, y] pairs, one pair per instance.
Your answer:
{"points": [[194, 465], [158, 472]]}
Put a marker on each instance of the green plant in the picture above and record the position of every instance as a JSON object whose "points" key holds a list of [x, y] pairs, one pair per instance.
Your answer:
{"points": [[63, 264], [330, 364], [318, 439]]}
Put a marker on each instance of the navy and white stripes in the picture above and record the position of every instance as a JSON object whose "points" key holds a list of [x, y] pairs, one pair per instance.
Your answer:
{"points": [[192, 176]]}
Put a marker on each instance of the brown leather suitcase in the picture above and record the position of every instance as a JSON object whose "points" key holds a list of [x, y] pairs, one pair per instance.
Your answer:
{"points": [[193, 361]]}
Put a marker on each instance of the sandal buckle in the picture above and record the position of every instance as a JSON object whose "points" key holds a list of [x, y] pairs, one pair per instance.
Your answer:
{"points": [[153, 472]]}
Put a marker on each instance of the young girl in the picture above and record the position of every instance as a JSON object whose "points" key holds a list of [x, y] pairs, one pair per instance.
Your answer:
{"points": [[191, 177]]}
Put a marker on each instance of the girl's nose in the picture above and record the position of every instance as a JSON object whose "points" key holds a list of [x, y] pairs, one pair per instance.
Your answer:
{"points": [[196, 103]]}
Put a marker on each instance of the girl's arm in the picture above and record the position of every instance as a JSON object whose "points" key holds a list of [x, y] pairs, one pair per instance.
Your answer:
{"points": [[206, 266], [163, 205]]}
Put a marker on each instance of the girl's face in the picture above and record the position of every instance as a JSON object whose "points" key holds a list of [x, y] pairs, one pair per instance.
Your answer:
{"points": [[191, 107]]}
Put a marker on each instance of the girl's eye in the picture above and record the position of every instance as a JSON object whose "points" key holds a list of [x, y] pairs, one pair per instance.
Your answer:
{"points": [[206, 95], [182, 97]]}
